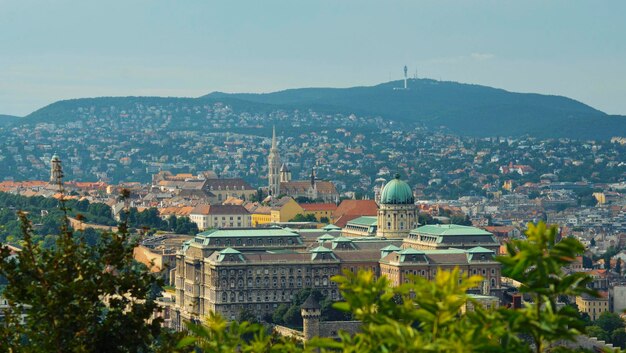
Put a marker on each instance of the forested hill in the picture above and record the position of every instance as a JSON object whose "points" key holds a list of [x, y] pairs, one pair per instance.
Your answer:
{"points": [[469, 110], [7, 119], [466, 109]]}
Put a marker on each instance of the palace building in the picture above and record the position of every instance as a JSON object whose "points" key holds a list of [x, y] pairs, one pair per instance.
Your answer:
{"points": [[258, 269]]}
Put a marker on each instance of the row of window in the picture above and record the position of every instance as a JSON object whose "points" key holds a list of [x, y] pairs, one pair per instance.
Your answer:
{"points": [[234, 297], [259, 241], [276, 270], [434, 271], [274, 282]]}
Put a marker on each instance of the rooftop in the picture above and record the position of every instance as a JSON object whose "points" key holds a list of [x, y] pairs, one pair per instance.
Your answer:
{"points": [[247, 232], [364, 220], [449, 229]]}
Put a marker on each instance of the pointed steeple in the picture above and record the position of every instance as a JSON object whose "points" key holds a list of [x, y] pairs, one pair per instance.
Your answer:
{"points": [[274, 167], [273, 137]]}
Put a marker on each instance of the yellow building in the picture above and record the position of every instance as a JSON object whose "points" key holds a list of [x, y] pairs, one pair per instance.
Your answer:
{"points": [[593, 307], [319, 210], [259, 213], [261, 218], [600, 197], [285, 209]]}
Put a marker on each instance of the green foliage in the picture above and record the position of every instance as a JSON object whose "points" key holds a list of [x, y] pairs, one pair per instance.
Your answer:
{"points": [[303, 218], [618, 338], [538, 264], [217, 335], [460, 219], [78, 297], [419, 316], [46, 216], [610, 322], [598, 332]]}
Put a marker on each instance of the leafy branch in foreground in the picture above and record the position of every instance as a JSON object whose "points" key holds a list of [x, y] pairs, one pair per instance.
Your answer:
{"points": [[538, 263], [76, 297]]}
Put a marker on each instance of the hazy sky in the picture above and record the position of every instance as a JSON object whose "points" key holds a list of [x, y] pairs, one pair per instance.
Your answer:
{"points": [[51, 50]]}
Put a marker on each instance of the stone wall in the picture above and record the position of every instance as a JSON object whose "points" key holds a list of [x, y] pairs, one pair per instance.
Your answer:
{"points": [[288, 332], [332, 328], [328, 329]]}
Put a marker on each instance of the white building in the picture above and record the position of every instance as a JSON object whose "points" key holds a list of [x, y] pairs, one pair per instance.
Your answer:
{"points": [[221, 216]]}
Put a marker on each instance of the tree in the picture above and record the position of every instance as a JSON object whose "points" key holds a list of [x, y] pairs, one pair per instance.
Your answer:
{"points": [[172, 223], [277, 316], [609, 322], [598, 332], [618, 266], [592, 242], [618, 338], [538, 264], [460, 220], [304, 218], [184, 225], [77, 297]]}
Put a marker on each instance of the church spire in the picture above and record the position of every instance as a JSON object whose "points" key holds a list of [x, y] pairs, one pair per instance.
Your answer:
{"points": [[274, 167], [274, 137]]}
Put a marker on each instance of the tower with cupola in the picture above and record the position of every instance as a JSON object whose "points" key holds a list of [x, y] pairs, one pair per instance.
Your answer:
{"points": [[397, 213]]}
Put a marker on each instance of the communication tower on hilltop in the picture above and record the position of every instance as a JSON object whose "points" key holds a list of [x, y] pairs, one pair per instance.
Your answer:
{"points": [[405, 77]]}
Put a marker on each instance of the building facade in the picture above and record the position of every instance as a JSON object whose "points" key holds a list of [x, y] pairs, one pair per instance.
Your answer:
{"points": [[592, 306], [399, 265], [220, 216]]}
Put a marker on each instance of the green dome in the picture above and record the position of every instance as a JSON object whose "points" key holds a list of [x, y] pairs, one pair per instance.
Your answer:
{"points": [[397, 192]]}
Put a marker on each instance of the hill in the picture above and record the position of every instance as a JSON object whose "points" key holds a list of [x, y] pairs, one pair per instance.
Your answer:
{"points": [[8, 119], [466, 109]]}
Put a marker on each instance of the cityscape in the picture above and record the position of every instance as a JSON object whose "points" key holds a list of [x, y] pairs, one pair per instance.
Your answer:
{"points": [[409, 214]]}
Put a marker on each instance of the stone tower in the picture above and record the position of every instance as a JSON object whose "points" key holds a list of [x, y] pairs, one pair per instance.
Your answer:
{"points": [[56, 171], [285, 173], [397, 213], [311, 312], [273, 161]]}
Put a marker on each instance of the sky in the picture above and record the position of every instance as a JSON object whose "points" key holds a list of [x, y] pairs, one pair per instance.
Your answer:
{"points": [[59, 49]]}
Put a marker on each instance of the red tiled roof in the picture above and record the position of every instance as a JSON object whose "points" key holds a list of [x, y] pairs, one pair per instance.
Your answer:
{"points": [[351, 209]]}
